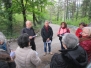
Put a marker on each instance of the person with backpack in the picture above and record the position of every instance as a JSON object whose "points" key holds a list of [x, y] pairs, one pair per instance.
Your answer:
{"points": [[62, 30], [73, 56]]}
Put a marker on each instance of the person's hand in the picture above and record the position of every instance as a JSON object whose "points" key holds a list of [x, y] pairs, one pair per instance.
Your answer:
{"points": [[1, 42], [30, 37], [60, 35], [48, 39]]}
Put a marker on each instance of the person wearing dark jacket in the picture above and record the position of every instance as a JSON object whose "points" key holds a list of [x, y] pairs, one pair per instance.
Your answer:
{"points": [[30, 31], [73, 56], [47, 34]]}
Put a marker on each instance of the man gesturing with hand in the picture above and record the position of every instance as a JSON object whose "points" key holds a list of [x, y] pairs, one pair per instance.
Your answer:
{"points": [[30, 31]]}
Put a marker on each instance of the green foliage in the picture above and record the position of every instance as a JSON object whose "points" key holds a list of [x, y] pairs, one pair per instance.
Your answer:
{"points": [[74, 21], [15, 10]]}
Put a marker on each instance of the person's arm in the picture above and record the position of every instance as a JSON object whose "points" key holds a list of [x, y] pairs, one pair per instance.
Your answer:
{"points": [[23, 31], [68, 31], [35, 59], [34, 31], [42, 34], [51, 33], [77, 33], [58, 33]]}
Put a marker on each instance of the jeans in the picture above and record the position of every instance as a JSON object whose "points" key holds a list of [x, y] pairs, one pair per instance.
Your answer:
{"points": [[45, 47]]}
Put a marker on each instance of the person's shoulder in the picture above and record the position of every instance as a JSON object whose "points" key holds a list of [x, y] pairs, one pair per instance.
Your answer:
{"points": [[24, 28], [32, 53], [50, 27], [17, 49], [67, 28], [79, 29]]}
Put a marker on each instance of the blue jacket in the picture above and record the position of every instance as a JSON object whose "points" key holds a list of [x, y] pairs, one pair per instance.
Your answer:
{"points": [[3, 46]]}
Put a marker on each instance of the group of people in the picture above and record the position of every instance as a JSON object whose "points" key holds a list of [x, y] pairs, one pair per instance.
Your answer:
{"points": [[75, 49]]}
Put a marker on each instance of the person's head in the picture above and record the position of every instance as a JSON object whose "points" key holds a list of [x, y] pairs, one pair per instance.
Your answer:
{"points": [[46, 23], [63, 25], [70, 41], [28, 24], [1, 39], [23, 40], [82, 25], [86, 32]]}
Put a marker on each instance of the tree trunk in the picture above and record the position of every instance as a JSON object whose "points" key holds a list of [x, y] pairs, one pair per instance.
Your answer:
{"points": [[77, 9], [34, 18], [8, 5], [23, 12], [33, 12], [89, 10], [73, 8], [67, 9], [58, 15]]}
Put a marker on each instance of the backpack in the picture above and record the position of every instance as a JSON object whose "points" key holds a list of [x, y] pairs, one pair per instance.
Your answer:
{"points": [[57, 61]]}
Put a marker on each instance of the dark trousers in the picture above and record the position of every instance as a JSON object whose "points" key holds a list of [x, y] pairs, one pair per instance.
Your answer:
{"points": [[32, 43], [60, 38]]}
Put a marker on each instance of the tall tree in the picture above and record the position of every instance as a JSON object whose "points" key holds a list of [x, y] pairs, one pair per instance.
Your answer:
{"points": [[24, 11], [8, 10]]}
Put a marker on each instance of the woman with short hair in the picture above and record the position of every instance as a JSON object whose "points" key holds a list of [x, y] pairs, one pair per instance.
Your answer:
{"points": [[47, 35], [25, 57], [73, 56], [85, 41]]}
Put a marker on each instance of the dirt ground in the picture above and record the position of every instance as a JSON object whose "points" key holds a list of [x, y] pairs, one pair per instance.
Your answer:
{"points": [[39, 44]]}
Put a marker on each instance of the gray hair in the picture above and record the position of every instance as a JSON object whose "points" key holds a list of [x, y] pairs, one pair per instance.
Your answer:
{"points": [[88, 30], [2, 37], [28, 21], [70, 40], [46, 21]]}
